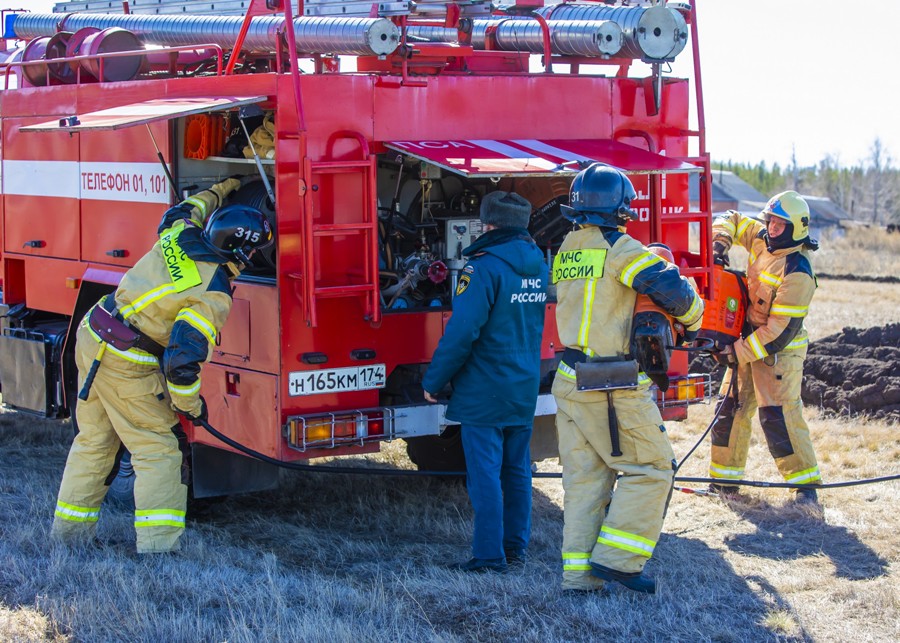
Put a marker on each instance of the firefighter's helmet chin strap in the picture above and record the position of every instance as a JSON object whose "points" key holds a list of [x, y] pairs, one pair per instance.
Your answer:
{"points": [[234, 269]]}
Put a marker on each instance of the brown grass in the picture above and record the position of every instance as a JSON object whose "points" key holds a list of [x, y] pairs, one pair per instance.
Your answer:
{"points": [[860, 304], [340, 557], [861, 251]]}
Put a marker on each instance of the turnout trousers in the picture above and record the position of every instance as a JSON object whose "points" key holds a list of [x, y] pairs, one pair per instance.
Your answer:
{"points": [[127, 405], [775, 390], [498, 478], [610, 523]]}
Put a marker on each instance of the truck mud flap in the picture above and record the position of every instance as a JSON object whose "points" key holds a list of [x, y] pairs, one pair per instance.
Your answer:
{"points": [[30, 369]]}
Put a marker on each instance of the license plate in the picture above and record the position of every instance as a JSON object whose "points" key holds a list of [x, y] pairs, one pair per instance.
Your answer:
{"points": [[336, 380]]}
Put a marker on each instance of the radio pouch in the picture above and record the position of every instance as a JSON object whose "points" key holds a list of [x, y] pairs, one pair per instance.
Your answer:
{"points": [[111, 330], [606, 375]]}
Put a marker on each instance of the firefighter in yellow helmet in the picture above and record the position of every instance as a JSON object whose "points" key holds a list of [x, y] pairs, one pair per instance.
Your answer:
{"points": [[768, 360], [139, 353], [608, 423]]}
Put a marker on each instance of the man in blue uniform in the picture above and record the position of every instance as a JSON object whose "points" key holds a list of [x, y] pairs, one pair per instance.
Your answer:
{"points": [[491, 353]]}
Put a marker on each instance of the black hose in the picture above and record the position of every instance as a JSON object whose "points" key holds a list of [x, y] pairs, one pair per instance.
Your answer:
{"points": [[317, 468], [732, 389]]}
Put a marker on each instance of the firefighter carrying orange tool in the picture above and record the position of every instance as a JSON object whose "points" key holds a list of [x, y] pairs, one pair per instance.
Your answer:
{"points": [[768, 359]]}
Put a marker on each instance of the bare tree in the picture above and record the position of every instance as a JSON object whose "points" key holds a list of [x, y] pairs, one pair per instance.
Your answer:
{"points": [[881, 185]]}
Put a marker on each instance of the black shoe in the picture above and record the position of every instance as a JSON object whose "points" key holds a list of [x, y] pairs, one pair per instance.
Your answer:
{"points": [[633, 581], [515, 557], [807, 497], [726, 491], [480, 565]]}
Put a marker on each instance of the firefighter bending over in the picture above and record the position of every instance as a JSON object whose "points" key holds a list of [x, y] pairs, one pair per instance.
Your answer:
{"points": [[769, 360], [607, 420], [139, 353]]}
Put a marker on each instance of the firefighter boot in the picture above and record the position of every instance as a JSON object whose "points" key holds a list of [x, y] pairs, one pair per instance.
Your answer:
{"points": [[725, 491], [807, 497], [634, 581]]}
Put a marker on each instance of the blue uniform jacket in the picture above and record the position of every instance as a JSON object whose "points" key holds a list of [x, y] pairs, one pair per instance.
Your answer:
{"points": [[490, 350]]}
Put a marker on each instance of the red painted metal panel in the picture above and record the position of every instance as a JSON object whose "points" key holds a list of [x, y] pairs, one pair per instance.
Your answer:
{"points": [[250, 337], [495, 107], [41, 226], [244, 406], [534, 157], [46, 284], [140, 113], [124, 192], [40, 192]]}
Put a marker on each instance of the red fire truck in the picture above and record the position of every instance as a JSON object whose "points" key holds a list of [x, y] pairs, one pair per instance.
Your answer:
{"points": [[377, 131]]}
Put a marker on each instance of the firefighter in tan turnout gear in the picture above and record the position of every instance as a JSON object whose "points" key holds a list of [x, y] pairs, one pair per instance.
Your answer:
{"points": [[607, 418], [768, 360], [139, 353]]}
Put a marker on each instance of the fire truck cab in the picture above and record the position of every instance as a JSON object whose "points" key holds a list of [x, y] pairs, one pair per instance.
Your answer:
{"points": [[368, 141]]}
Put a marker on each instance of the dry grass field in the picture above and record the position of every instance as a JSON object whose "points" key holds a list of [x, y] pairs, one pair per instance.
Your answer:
{"points": [[335, 557]]}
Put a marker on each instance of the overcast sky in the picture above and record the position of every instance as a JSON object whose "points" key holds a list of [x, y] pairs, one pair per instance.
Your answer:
{"points": [[817, 76]]}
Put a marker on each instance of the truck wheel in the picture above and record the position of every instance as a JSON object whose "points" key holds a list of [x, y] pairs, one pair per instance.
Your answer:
{"points": [[438, 452]]}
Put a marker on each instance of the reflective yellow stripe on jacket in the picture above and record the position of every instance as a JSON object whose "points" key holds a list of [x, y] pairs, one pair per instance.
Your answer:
{"points": [[199, 322], [632, 270]]}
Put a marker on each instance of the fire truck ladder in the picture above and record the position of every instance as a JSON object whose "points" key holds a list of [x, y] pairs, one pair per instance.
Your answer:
{"points": [[365, 225], [702, 275]]}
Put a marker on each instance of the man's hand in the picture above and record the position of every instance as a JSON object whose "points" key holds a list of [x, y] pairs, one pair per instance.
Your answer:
{"points": [[202, 416], [720, 254], [687, 336], [726, 356], [429, 397]]}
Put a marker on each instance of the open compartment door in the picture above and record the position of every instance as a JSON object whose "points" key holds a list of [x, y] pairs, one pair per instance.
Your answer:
{"points": [[535, 158], [143, 112]]}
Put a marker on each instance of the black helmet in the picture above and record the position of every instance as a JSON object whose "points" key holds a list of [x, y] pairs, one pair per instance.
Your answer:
{"points": [[235, 231], [600, 195]]}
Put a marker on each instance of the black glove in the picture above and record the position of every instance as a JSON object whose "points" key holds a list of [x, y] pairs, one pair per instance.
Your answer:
{"points": [[203, 416], [720, 254], [725, 357], [688, 336]]}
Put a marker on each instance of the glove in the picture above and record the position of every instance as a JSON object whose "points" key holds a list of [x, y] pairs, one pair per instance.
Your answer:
{"points": [[726, 357], [720, 254], [688, 336], [203, 416]]}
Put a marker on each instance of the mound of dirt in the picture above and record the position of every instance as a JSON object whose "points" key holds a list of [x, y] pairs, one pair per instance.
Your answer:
{"points": [[856, 371], [851, 372]]}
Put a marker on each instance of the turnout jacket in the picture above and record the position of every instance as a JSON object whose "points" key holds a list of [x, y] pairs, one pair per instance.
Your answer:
{"points": [[491, 348], [598, 274], [179, 295], [781, 285]]}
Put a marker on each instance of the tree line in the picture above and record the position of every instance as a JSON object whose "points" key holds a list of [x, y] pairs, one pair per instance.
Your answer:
{"points": [[869, 191]]}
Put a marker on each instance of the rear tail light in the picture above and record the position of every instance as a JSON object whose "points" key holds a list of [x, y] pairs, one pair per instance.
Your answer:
{"points": [[686, 389], [327, 430]]}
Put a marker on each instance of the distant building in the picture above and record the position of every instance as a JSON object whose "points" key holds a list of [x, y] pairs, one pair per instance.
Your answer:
{"points": [[730, 192]]}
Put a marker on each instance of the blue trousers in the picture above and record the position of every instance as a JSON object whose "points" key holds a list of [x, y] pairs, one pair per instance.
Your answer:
{"points": [[498, 478]]}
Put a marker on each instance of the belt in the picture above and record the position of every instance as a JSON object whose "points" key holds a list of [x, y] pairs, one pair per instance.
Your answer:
{"points": [[572, 356], [144, 342]]}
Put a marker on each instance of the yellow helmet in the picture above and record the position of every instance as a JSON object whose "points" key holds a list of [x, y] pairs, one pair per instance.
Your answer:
{"points": [[793, 209]]}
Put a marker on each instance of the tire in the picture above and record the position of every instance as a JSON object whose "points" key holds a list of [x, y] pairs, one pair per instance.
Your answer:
{"points": [[438, 452]]}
